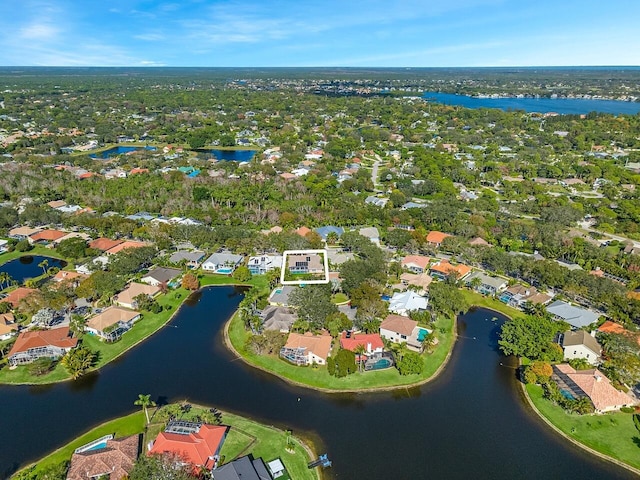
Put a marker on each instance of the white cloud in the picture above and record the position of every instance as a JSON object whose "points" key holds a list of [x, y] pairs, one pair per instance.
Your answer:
{"points": [[38, 31], [150, 37]]}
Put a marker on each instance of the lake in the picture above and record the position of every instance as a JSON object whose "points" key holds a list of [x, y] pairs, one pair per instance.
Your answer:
{"points": [[574, 106], [27, 266], [120, 150], [471, 422], [228, 155]]}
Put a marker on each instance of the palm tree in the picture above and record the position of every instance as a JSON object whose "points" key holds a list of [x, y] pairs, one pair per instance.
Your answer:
{"points": [[4, 278], [43, 265], [145, 401], [360, 350], [429, 342]]}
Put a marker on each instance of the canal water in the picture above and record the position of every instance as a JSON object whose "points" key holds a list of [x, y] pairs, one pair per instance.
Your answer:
{"points": [[470, 422]]}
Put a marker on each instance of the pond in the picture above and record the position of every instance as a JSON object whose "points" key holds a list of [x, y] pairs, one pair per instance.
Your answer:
{"points": [[227, 155], [120, 150], [471, 422], [575, 106], [28, 266]]}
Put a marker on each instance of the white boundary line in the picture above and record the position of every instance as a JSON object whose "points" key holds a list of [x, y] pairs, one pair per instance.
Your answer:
{"points": [[283, 269]]}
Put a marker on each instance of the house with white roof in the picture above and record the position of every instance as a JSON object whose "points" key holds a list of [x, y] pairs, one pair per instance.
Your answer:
{"points": [[405, 302], [262, 264], [575, 316]]}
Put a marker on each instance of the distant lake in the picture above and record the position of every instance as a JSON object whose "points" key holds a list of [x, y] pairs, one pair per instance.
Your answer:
{"points": [[27, 266], [228, 155], [120, 150], [570, 106]]}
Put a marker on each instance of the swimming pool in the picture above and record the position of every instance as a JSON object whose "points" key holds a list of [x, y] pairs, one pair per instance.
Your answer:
{"points": [[566, 394], [380, 364], [423, 332], [225, 270], [95, 445]]}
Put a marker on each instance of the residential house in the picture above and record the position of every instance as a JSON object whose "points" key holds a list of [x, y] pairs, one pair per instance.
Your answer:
{"points": [[436, 238], [372, 342], [279, 319], [376, 201], [303, 231], [104, 244], [70, 235], [15, 296], [420, 281], [113, 461], [280, 295], [486, 284], [443, 269], [160, 276], [371, 233], [46, 237], [401, 329], [517, 295], [8, 326], [307, 349], [409, 205], [223, 262], [35, 344], [56, 203], [575, 316], [405, 302], [4, 245], [299, 263], [264, 263], [98, 263], [71, 277], [416, 263], [580, 344], [326, 230], [479, 242], [592, 384], [127, 244], [22, 233], [127, 297], [191, 259], [197, 444], [112, 322], [245, 468]]}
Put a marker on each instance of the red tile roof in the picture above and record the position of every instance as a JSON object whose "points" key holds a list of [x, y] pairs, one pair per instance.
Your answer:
{"points": [[58, 337], [303, 231], [195, 448], [18, 294], [611, 327], [104, 244], [446, 268], [436, 237], [124, 245], [370, 341], [48, 235]]}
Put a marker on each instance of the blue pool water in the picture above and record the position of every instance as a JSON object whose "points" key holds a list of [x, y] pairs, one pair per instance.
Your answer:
{"points": [[224, 270], [380, 364], [423, 333], [567, 395], [112, 152], [97, 446]]}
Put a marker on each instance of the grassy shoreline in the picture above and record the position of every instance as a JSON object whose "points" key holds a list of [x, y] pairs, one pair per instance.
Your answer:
{"points": [[610, 436], [245, 436], [318, 377]]}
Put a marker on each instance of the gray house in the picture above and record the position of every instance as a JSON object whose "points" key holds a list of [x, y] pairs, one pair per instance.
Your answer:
{"points": [[575, 316], [192, 259], [246, 468], [223, 262], [487, 284]]}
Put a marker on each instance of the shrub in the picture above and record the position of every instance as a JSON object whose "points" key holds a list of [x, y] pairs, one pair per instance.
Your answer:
{"points": [[529, 376], [41, 366], [542, 370], [331, 366], [627, 409]]}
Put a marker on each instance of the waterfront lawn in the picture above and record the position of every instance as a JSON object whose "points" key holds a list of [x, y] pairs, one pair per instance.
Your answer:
{"points": [[319, 377], [247, 436], [612, 434], [259, 281], [36, 250], [145, 327], [121, 427], [478, 300]]}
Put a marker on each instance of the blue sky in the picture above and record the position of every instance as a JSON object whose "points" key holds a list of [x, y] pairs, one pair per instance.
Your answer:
{"points": [[357, 33]]}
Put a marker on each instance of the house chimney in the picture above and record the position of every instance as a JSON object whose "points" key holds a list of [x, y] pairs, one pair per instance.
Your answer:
{"points": [[598, 378]]}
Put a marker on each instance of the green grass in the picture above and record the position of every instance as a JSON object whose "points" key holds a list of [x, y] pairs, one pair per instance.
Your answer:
{"points": [[259, 281], [339, 298], [122, 427], [478, 300], [319, 377], [143, 328], [245, 436], [612, 434], [37, 250]]}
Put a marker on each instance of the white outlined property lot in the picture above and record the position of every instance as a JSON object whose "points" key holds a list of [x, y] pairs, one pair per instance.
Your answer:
{"points": [[310, 255]]}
